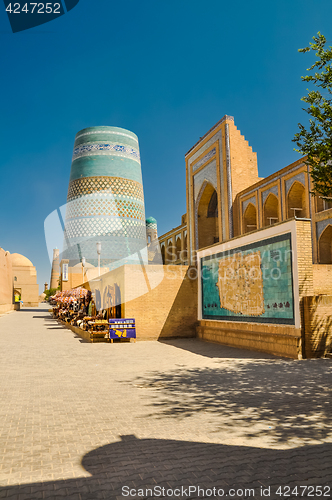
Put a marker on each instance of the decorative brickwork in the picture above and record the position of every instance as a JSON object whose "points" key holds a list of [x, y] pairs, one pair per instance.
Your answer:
{"points": [[105, 202], [105, 185], [100, 205]]}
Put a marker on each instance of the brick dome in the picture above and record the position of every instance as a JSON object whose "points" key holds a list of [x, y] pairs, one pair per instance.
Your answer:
{"points": [[19, 260]]}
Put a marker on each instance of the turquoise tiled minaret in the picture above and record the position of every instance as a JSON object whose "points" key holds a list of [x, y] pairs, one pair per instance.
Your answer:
{"points": [[151, 229], [105, 199]]}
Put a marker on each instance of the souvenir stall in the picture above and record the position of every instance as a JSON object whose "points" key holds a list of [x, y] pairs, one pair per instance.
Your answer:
{"points": [[77, 309]]}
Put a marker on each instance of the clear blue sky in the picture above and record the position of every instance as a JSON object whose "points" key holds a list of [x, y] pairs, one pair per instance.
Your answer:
{"points": [[168, 71]]}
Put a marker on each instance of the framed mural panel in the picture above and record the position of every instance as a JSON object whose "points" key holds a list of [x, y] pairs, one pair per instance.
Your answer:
{"points": [[252, 283]]}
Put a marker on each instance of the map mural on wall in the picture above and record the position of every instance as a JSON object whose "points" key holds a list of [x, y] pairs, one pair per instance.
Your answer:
{"points": [[250, 283], [240, 284]]}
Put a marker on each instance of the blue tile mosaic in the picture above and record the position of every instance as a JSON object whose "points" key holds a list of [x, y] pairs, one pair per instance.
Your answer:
{"points": [[252, 283]]}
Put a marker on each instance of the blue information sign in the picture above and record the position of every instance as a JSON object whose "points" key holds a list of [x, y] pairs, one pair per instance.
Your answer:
{"points": [[122, 328]]}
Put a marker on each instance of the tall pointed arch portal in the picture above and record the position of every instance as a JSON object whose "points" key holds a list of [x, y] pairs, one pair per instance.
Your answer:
{"points": [[207, 216]]}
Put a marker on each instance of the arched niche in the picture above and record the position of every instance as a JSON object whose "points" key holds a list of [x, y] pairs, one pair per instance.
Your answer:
{"points": [[178, 246], [162, 249], [296, 201], [322, 204], [250, 218], [325, 246], [271, 210], [169, 251], [185, 246], [207, 216], [213, 205]]}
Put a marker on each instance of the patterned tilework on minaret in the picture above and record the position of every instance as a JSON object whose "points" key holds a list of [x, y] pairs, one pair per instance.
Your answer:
{"points": [[105, 198]]}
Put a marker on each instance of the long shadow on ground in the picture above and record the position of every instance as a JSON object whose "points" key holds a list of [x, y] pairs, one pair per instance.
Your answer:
{"points": [[210, 350], [284, 398], [150, 463]]}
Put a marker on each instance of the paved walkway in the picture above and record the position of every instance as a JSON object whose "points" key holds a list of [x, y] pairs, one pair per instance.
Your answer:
{"points": [[85, 421]]}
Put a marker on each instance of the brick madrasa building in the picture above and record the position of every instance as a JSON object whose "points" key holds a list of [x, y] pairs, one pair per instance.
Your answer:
{"points": [[249, 266], [262, 247]]}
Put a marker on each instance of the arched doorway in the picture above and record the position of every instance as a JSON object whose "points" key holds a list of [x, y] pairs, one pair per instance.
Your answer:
{"points": [[207, 217], [296, 203], [17, 294], [271, 210], [325, 246], [250, 218]]}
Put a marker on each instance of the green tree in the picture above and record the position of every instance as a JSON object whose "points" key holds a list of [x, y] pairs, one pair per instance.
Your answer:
{"points": [[50, 292], [316, 141]]}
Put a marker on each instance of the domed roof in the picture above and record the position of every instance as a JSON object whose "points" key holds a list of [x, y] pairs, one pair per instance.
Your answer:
{"points": [[87, 265], [19, 260], [151, 220]]}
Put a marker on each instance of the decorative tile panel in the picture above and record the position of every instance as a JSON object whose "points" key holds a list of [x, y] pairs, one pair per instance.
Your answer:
{"points": [[299, 177], [109, 149], [108, 132], [113, 185], [208, 173], [206, 158], [103, 226], [103, 205], [273, 190], [252, 283], [246, 203], [321, 225]]}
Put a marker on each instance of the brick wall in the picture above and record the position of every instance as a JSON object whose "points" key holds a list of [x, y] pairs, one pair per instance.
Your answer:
{"points": [[162, 299], [317, 326], [275, 339], [243, 161], [304, 258], [305, 269], [6, 282], [169, 309], [280, 340], [27, 283], [322, 274]]}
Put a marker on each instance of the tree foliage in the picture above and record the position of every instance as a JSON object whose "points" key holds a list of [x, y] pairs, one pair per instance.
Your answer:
{"points": [[316, 141], [50, 292]]}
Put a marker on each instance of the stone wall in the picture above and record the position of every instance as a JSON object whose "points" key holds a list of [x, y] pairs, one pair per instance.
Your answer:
{"points": [[6, 282], [317, 326]]}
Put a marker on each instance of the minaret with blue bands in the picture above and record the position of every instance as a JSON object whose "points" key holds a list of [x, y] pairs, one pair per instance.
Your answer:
{"points": [[105, 199]]}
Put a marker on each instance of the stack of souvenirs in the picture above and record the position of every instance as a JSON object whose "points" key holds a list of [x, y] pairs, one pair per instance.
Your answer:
{"points": [[77, 308]]}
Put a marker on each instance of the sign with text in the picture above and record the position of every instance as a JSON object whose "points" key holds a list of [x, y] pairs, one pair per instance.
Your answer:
{"points": [[122, 328], [64, 272]]}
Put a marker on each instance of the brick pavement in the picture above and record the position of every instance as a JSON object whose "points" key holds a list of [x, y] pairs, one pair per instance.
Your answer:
{"points": [[81, 420]]}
